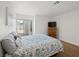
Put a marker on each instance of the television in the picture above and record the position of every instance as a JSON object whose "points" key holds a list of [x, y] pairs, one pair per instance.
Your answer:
{"points": [[51, 24]]}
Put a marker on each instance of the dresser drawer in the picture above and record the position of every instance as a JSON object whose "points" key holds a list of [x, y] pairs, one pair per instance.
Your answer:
{"points": [[52, 31]]}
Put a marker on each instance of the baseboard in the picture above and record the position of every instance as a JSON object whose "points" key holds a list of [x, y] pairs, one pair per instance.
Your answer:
{"points": [[70, 43]]}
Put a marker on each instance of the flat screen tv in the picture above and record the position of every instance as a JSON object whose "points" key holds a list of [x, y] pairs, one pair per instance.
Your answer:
{"points": [[51, 24]]}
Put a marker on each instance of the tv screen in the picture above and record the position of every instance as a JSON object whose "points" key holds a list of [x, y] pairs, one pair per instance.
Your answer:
{"points": [[51, 24]]}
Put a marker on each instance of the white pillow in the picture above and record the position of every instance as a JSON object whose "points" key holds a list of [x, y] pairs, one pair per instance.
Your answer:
{"points": [[9, 36], [14, 35], [18, 42]]}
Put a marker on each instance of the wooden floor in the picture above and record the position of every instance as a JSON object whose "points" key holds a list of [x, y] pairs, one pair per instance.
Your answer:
{"points": [[70, 50]]}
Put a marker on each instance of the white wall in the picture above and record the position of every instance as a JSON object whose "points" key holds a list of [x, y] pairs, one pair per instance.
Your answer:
{"points": [[68, 25], [4, 29], [41, 24]]}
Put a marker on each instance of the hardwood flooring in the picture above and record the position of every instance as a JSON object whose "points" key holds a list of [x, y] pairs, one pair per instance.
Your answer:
{"points": [[70, 50]]}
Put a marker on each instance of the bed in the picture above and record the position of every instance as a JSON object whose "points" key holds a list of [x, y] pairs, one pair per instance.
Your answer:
{"points": [[36, 46]]}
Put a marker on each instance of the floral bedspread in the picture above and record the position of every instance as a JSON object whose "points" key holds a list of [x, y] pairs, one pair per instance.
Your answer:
{"points": [[37, 46]]}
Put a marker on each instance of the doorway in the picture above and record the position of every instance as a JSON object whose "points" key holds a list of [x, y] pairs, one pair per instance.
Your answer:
{"points": [[23, 27]]}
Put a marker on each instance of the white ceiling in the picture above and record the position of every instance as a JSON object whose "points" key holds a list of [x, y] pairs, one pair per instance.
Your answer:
{"points": [[41, 7]]}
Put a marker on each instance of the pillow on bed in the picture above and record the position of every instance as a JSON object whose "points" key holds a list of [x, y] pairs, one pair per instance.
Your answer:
{"points": [[14, 35], [1, 50], [18, 42], [9, 46], [9, 36]]}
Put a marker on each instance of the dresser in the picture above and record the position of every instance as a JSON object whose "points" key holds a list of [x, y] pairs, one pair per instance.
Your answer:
{"points": [[52, 29]]}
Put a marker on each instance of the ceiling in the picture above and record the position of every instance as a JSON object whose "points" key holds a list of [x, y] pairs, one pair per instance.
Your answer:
{"points": [[40, 7]]}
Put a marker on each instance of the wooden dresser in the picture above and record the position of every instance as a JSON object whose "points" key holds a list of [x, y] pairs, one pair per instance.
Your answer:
{"points": [[52, 29]]}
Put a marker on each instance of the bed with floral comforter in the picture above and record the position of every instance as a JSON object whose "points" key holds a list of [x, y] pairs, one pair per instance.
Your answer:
{"points": [[37, 46]]}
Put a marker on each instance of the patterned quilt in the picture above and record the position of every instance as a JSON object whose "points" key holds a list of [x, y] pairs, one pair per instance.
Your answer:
{"points": [[37, 46]]}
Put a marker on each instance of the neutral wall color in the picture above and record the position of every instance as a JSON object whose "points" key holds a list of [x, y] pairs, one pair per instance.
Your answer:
{"points": [[11, 27], [24, 16], [4, 29], [69, 26], [41, 24]]}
